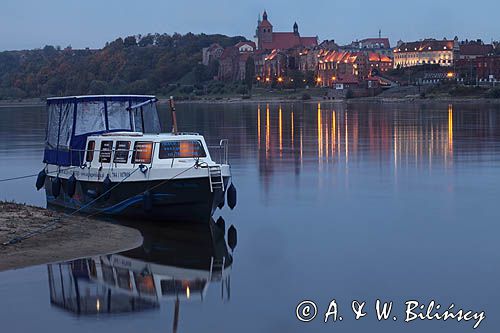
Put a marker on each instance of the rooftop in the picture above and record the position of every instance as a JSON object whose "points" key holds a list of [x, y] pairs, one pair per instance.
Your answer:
{"points": [[476, 49], [425, 45], [288, 40]]}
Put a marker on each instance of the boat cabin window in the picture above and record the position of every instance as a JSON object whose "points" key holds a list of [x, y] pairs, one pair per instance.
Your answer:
{"points": [[145, 284], [174, 287], [90, 151], [181, 149], [121, 151], [107, 273], [90, 118], [118, 117], [123, 278], [142, 152], [105, 152], [60, 125]]}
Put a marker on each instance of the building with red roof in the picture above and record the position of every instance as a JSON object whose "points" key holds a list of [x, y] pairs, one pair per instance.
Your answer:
{"points": [[211, 53], [474, 49], [267, 39], [379, 63], [232, 64], [246, 46], [335, 66]]}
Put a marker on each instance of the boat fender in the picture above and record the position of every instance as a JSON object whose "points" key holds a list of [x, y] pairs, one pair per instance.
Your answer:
{"points": [[143, 168], [56, 187], [232, 237], [71, 186], [147, 201], [222, 201], [221, 224], [107, 184], [40, 180], [231, 196]]}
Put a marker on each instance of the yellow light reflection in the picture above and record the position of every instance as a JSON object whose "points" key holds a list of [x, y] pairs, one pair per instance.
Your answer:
{"points": [[320, 138], [334, 130], [188, 292], [98, 305], [268, 130], [281, 130], [326, 139]]}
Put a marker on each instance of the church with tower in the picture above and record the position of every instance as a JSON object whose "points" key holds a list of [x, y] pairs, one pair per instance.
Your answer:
{"points": [[267, 40]]}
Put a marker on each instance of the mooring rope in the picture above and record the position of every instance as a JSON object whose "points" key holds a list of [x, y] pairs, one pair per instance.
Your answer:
{"points": [[36, 174], [46, 228], [53, 225]]}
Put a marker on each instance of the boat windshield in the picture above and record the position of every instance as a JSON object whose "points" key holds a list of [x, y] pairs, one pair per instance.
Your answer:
{"points": [[72, 119]]}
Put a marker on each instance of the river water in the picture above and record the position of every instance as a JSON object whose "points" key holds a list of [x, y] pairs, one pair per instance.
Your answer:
{"points": [[358, 202]]}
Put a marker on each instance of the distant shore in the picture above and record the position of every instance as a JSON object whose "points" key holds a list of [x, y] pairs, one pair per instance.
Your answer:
{"points": [[73, 238], [376, 99], [37, 102]]}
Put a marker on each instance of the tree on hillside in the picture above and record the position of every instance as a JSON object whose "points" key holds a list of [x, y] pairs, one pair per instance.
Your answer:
{"points": [[148, 40], [249, 73], [130, 41], [149, 64], [213, 68]]}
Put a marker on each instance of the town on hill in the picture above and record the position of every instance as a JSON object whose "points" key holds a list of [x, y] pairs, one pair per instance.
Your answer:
{"points": [[213, 66]]}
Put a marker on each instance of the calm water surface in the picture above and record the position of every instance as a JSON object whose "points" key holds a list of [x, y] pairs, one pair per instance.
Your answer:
{"points": [[358, 202]]}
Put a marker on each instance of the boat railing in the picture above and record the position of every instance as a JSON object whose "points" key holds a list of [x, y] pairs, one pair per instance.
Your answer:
{"points": [[221, 152]]}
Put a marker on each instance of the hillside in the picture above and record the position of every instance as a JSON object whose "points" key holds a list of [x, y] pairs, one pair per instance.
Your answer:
{"points": [[135, 65]]}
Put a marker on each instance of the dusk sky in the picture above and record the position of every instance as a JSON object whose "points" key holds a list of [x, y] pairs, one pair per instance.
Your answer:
{"points": [[27, 24]]}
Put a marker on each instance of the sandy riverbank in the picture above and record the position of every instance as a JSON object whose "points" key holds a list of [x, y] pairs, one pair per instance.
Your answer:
{"points": [[73, 238]]}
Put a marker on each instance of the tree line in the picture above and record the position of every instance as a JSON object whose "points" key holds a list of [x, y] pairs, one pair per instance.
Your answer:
{"points": [[153, 63]]}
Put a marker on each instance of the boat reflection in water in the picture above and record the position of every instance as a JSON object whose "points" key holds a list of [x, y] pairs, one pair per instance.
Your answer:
{"points": [[176, 263]]}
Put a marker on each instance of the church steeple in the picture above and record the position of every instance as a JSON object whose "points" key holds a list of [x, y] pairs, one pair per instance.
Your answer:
{"points": [[264, 33], [296, 28]]}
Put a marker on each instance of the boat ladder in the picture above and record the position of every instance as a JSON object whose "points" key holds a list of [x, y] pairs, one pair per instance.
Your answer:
{"points": [[217, 265], [215, 178]]}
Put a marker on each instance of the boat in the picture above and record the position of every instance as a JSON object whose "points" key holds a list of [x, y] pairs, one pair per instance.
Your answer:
{"points": [[176, 263], [107, 155]]}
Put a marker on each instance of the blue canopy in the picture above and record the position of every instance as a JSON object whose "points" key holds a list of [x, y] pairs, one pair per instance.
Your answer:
{"points": [[72, 119]]}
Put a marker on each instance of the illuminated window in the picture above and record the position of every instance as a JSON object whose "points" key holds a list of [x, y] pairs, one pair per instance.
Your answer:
{"points": [[145, 284], [142, 152], [181, 149]]}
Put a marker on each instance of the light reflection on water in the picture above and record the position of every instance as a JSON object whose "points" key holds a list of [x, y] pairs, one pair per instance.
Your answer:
{"points": [[362, 201]]}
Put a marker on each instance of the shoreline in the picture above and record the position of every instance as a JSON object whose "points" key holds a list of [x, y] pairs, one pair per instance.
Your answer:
{"points": [[38, 102], [75, 237], [376, 100]]}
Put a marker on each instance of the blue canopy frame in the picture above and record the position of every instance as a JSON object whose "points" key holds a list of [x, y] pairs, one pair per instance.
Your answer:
{"points": [[71, 120]]}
